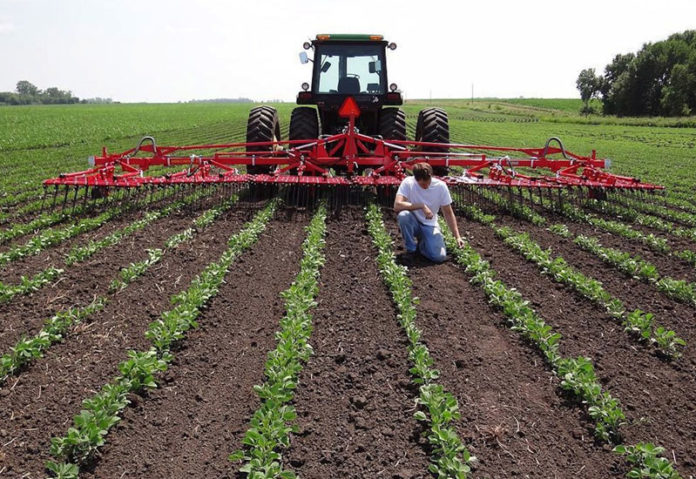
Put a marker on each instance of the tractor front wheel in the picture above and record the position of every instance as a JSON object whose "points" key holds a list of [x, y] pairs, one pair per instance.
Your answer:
{"points": [[433, 127], [263, 126]]}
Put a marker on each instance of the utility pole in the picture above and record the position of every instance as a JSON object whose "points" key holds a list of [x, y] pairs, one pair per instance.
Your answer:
{"points": [[472, 93]]}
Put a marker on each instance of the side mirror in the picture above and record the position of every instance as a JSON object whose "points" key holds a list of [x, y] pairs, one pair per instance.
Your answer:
{"points": [[304, 58], [375, 66]]}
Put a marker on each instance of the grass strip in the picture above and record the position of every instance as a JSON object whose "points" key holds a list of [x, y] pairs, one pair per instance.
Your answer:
{"points": [[138, 372], [449, 458], [273, 421]]}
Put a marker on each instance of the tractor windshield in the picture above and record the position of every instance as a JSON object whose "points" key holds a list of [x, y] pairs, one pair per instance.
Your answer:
{"points": [[350, 69]]}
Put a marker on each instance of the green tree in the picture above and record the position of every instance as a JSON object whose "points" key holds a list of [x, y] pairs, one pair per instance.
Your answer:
{"points": [[675, 96], [589, 85], [27, 88], [660, 79]]}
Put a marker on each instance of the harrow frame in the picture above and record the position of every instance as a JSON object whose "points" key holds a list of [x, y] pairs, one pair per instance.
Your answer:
{"points": [[363, 161]]}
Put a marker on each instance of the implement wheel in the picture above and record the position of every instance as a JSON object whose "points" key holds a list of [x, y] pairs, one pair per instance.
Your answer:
{"points": [[392, 124], [433, 127], [263, 125]]}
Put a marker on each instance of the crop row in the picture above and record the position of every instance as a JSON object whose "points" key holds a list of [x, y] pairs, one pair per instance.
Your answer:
{"points": [[637, 267], [50, 238], [138, 373], [81, 253], [524, 212], [633, 216], [449, 457], [53, 237], [56, 328], [576, 375], [681, 217], [560, 271], [272, 423]]}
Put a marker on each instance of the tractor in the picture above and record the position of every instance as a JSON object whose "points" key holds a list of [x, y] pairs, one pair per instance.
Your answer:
{"points": [[347, 65]]}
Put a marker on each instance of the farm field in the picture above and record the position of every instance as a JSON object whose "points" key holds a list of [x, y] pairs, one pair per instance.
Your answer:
{"points": [[204, 334]]}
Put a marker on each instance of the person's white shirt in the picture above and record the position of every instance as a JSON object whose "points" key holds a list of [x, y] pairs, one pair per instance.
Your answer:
{"points": [[434, 197]]}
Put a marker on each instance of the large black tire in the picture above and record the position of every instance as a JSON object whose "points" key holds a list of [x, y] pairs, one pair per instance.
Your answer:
{"points": [[392, 124], [433, 127], [304, 124], [263, 125]]}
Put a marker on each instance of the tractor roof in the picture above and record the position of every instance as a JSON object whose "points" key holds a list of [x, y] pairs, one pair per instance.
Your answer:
{"points": [[353, 37]]}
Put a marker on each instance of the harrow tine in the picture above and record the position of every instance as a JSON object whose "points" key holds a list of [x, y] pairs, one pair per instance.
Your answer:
{"points": [[43, 199]]}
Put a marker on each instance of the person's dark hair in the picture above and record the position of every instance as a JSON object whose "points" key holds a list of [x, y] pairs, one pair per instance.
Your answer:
{"points": [[422, 171]]}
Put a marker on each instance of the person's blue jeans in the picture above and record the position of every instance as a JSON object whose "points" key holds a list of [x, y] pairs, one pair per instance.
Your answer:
{"points": [[427, 239]]}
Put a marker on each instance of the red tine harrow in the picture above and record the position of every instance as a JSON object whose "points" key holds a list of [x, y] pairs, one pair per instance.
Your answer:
{"points": [[349, 159]]}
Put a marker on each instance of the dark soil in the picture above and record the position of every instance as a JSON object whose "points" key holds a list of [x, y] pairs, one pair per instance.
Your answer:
{"points": [[515, 418], [42, 400], [635, 294], [666, 265], [658, 397], [355, 402], [188, 427], [55, 256], [82, 282]]}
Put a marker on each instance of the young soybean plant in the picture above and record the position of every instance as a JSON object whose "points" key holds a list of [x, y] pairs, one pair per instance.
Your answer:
{"points": [[273, 422], [137, 373], [449, 457], [577, 374]]}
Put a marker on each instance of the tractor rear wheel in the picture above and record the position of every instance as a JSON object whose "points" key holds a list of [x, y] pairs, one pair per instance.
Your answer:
{"points": [[392, 124], [304, 124], [263, 125], [433, 127]]}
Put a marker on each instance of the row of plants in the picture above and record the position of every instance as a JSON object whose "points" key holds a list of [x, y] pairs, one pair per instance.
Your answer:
{"points": [[577, 375], [57, 328], [138, 372], [274, 421], [449, 458], [136, 269], [512, 207], [633, 216], [53, 237], [557, 268], [681, 217], [567, 209], [82, 253], [637, 322], [27, 285], [43, 221], [54, 330], [637, 267]]}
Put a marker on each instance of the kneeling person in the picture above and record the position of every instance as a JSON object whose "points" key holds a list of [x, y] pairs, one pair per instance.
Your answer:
{"points": [[417, 203]]}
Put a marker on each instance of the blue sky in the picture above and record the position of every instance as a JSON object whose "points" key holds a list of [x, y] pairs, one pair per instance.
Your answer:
{"points": [[179, 50]]}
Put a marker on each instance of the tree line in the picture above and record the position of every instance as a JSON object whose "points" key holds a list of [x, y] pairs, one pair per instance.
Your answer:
{"points": [[659, 80], [26, 93]]}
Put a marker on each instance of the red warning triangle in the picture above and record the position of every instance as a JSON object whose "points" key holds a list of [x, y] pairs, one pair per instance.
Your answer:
{"points": [[349, 108]]}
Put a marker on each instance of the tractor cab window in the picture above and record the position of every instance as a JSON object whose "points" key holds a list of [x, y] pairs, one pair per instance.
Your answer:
{"points": [[350, 69]]}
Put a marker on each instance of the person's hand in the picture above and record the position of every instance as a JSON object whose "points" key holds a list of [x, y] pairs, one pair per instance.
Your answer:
{"points": [[427, 212], [460, 242]]}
